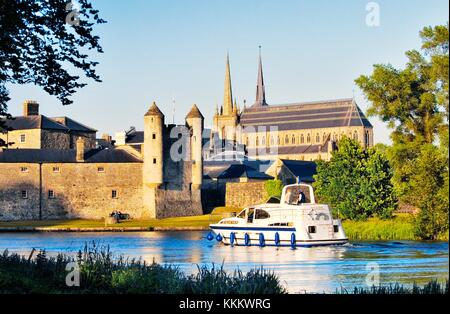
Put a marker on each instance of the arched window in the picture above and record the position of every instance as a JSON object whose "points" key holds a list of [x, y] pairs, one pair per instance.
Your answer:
{"points": [[302, 139], [293, 139], [286, 140], [317, 138], [308, 138], [324, 137], [355, 135]]}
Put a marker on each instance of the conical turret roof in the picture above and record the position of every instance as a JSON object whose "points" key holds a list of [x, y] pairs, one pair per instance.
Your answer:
{"points": [[194, 113], [154, 111]]}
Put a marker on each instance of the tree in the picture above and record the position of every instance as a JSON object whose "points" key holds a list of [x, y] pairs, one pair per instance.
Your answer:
{"points": [[39, 40], [356, 182]]}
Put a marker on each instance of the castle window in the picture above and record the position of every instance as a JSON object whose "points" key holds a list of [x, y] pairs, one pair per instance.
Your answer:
{"points": [[23, 169], [51, 194], [302, 139], [101, 169], [286, 140], [23, 138], [24, 193], [113, 194], [154, 136], [317, 138], [308, 138], [56, 169], [154, 160]]}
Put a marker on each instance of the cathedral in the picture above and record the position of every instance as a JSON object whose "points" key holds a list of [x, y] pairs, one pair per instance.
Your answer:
{"points": [[298, 131]]}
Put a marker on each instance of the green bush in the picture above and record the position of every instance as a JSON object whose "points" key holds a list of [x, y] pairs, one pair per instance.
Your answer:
{"points": [[273, 188]]}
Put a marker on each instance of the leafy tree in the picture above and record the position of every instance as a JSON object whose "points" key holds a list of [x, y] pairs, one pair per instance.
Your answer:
{"points": [[356, 182], [273, 188], [40, 39], [429, 192], [414, 101]]}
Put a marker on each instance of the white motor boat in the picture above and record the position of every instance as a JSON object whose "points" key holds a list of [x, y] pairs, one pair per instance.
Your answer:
{"points": [[295, 221]]}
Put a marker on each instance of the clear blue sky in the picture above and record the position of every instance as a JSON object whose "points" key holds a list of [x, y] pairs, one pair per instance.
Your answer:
{"points": [[312, 50]]}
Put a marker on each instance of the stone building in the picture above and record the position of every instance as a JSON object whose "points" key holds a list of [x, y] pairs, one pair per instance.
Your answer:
{"points": [[299, 131], [50, 181], [35, 131]]}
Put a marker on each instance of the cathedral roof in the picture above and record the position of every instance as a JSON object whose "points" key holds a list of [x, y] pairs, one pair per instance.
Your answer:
{"points": [[322, 114], [194, 113], [154, 111]]}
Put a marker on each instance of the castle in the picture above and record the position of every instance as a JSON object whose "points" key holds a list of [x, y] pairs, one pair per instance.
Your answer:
{"points": [[54, 167], [300, 131], [51, 169]]}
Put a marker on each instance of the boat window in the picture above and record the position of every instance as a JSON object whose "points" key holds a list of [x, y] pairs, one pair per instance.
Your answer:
{"points": [[261, 214], [250, 214], [311, 229], [241, 214]]}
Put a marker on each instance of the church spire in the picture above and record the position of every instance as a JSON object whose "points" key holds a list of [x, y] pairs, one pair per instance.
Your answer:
{"points": [[260, 89], [228, 95]]}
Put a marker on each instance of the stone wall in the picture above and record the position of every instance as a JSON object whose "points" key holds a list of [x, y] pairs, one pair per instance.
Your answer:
{"points": [[32, 138], [178, 203], [245, 193], [80, 191], [55, 139]]}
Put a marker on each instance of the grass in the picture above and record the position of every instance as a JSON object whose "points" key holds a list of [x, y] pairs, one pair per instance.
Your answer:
{"points": [[100, 272], [400, 227], [432, 287]]}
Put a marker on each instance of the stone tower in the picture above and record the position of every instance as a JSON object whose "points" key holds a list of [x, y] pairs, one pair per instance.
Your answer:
{"points": [[194, 121], [227, 118], [153, 158]]}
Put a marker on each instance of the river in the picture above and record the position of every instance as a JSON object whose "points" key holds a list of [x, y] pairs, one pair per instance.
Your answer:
{"points": [[316, 269]]}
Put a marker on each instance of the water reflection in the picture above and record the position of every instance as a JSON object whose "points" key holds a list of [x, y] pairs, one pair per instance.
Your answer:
{"points": [[316, 269]]}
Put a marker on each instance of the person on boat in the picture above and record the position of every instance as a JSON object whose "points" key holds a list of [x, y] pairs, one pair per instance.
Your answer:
{"points": [[301, 198]]}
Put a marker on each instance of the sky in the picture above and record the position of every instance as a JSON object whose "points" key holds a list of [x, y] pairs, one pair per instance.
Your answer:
{"points": [[157, 50]]}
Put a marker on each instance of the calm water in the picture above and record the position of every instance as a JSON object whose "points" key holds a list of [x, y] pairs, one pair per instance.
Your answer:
{"points": [[316, 269]]}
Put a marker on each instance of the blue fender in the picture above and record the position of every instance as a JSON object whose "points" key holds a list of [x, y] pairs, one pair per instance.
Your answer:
{"points": [[210, 236], [277, 238], [247, 239], [261, 239], [293, 241], [232, 238], [219, 238]]}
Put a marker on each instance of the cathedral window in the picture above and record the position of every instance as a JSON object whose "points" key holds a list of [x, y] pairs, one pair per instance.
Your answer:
{"points": [[308, 138], [324, 137], [293, 139], [154, 136], [317, 138], [154, 160], [302, 139]]}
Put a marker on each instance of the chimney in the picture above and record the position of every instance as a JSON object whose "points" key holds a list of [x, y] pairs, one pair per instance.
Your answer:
{"points": [[80, 150], [30, 108], [121, 138]]}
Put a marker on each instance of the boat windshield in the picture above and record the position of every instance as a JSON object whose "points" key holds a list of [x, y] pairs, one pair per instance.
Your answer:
{"points": [[296, 195], [242, 214]]}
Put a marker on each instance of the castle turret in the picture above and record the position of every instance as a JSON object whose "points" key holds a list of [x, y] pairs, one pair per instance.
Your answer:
{"points": [[194, 121], [153, 157]]}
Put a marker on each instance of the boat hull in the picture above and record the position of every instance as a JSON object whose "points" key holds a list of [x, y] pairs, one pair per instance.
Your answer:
{"points": [[287, 236]]}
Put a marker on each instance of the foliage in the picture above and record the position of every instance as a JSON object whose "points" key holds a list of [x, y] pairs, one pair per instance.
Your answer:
{"points": [[100, 272], [38, 39], [432, 287], [397, 228], [414, 101], [273, 188], [356, 182]]}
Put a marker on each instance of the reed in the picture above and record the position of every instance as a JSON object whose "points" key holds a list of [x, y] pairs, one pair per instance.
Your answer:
{"points": [[432, 287], [101, 273]]}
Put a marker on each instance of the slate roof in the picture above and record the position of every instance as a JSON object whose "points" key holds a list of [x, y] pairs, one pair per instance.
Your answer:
{"points": [[322, 114], [242, 170], [65, 156], [136, 137], [73, 125], [301, 169], [34, 122]]}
